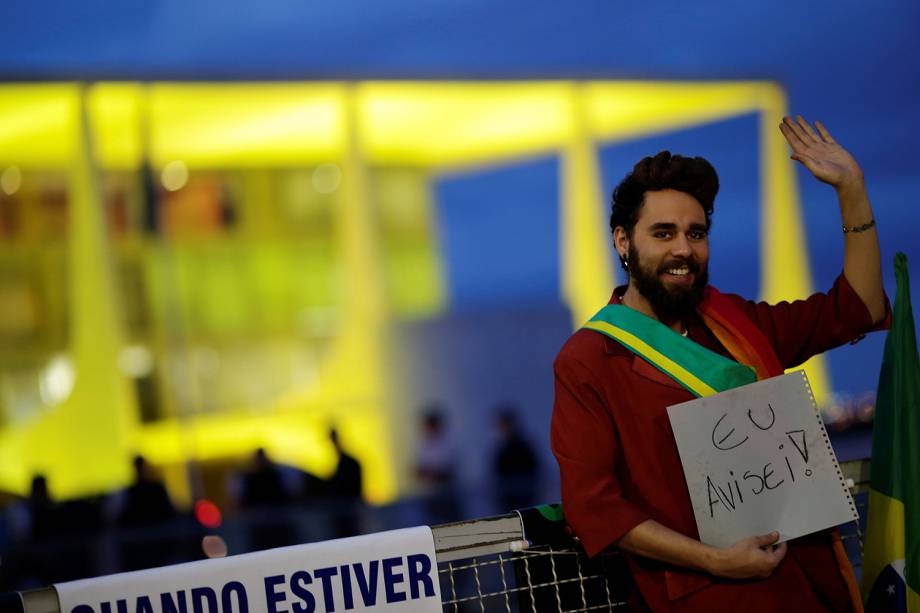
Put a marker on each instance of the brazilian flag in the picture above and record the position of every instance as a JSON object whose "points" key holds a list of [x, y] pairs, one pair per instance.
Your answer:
{"points": [[891, 558]]}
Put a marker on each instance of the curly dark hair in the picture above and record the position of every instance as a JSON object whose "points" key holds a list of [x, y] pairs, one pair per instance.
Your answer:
{"points": [[694, 176]]}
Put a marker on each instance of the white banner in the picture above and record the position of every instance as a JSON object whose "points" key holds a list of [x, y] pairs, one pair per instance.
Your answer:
{"points": [[756, 459], [386, 572]]}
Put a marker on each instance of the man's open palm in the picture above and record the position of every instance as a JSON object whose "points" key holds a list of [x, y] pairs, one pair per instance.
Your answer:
{"points": [[820, 153]]}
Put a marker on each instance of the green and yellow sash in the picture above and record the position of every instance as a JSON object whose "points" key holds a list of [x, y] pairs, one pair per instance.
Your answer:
{"points": [[701, 371]]}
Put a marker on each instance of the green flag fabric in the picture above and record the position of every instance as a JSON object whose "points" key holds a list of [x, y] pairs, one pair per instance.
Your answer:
{"points": [[891, 557]]}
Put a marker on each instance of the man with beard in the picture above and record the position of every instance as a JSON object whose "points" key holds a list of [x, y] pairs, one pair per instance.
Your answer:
{"points": [[622, 483]]}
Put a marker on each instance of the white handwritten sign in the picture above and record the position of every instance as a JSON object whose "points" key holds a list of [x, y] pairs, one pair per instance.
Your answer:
{"points": [[390, 572], [757, 459]]}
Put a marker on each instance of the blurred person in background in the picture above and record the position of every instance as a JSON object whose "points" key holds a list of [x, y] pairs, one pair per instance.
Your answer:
{"points": [[622, 482], [262, 483], [435, 463], [344, 490], [345, 482], [43, 513], [36, 522], [59, 538], [144, 511], [146, 501], [514, 464], [264, 496]]}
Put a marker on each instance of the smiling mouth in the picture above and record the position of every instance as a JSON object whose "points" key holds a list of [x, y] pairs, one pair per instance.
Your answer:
{"points": [[678, 272]]}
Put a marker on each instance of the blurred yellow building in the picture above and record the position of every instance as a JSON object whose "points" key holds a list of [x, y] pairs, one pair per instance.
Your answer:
{"points": [[191, 271]]}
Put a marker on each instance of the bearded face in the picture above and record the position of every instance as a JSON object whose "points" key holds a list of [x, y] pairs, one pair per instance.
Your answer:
{"points": [[667, 253], [670, 301]]}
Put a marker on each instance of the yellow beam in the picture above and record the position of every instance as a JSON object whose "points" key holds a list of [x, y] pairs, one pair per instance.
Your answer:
{"points": [[785, 269], [84, 441], [587, 274]]}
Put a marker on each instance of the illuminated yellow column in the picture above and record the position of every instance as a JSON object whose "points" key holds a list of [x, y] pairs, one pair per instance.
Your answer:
{"points": [[785, 269], [82, 444], [356, 377], [587, 274]]}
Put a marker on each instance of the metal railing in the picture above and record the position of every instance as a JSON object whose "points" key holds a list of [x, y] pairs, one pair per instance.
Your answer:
{"points": [[489, 565]]}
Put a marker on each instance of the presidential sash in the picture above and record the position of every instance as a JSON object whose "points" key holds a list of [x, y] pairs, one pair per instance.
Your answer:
{"points": [[700, 371]]}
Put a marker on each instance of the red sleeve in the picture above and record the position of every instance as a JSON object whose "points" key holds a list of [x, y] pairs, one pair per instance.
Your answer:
{"points": [[801, 329], [586, 446]]}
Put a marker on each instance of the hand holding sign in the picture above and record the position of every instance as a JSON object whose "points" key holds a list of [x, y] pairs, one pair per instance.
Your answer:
{"points": [[757, 459], [756, 556]]}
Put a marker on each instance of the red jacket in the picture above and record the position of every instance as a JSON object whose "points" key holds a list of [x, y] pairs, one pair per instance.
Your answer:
{"points": [[619, 464]]}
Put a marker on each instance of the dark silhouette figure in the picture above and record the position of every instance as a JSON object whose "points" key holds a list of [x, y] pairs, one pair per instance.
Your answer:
{"points": [[265, 498], [344, 490], [42, 510], [58, 546], [345, 482], [38, 561], [146, 500], [514, 464], [262, 483], [145, 519]]}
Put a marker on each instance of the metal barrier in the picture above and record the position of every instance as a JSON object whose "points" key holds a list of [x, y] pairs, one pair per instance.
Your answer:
{"points": [[490, 565], [539, 579], [493, 564]]}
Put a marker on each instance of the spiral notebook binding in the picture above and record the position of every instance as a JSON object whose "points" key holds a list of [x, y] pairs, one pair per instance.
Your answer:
{"points": [[830, 448]]}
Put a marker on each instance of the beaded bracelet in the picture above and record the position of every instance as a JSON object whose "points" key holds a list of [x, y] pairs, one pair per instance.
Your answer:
{"points": [[861, 228]]}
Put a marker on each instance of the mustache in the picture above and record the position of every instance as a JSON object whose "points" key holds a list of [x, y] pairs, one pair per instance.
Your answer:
{"points": [[692, 265]]}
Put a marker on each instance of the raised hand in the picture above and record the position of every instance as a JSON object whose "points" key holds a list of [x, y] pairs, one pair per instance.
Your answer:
{"points": [[820, 153]]}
